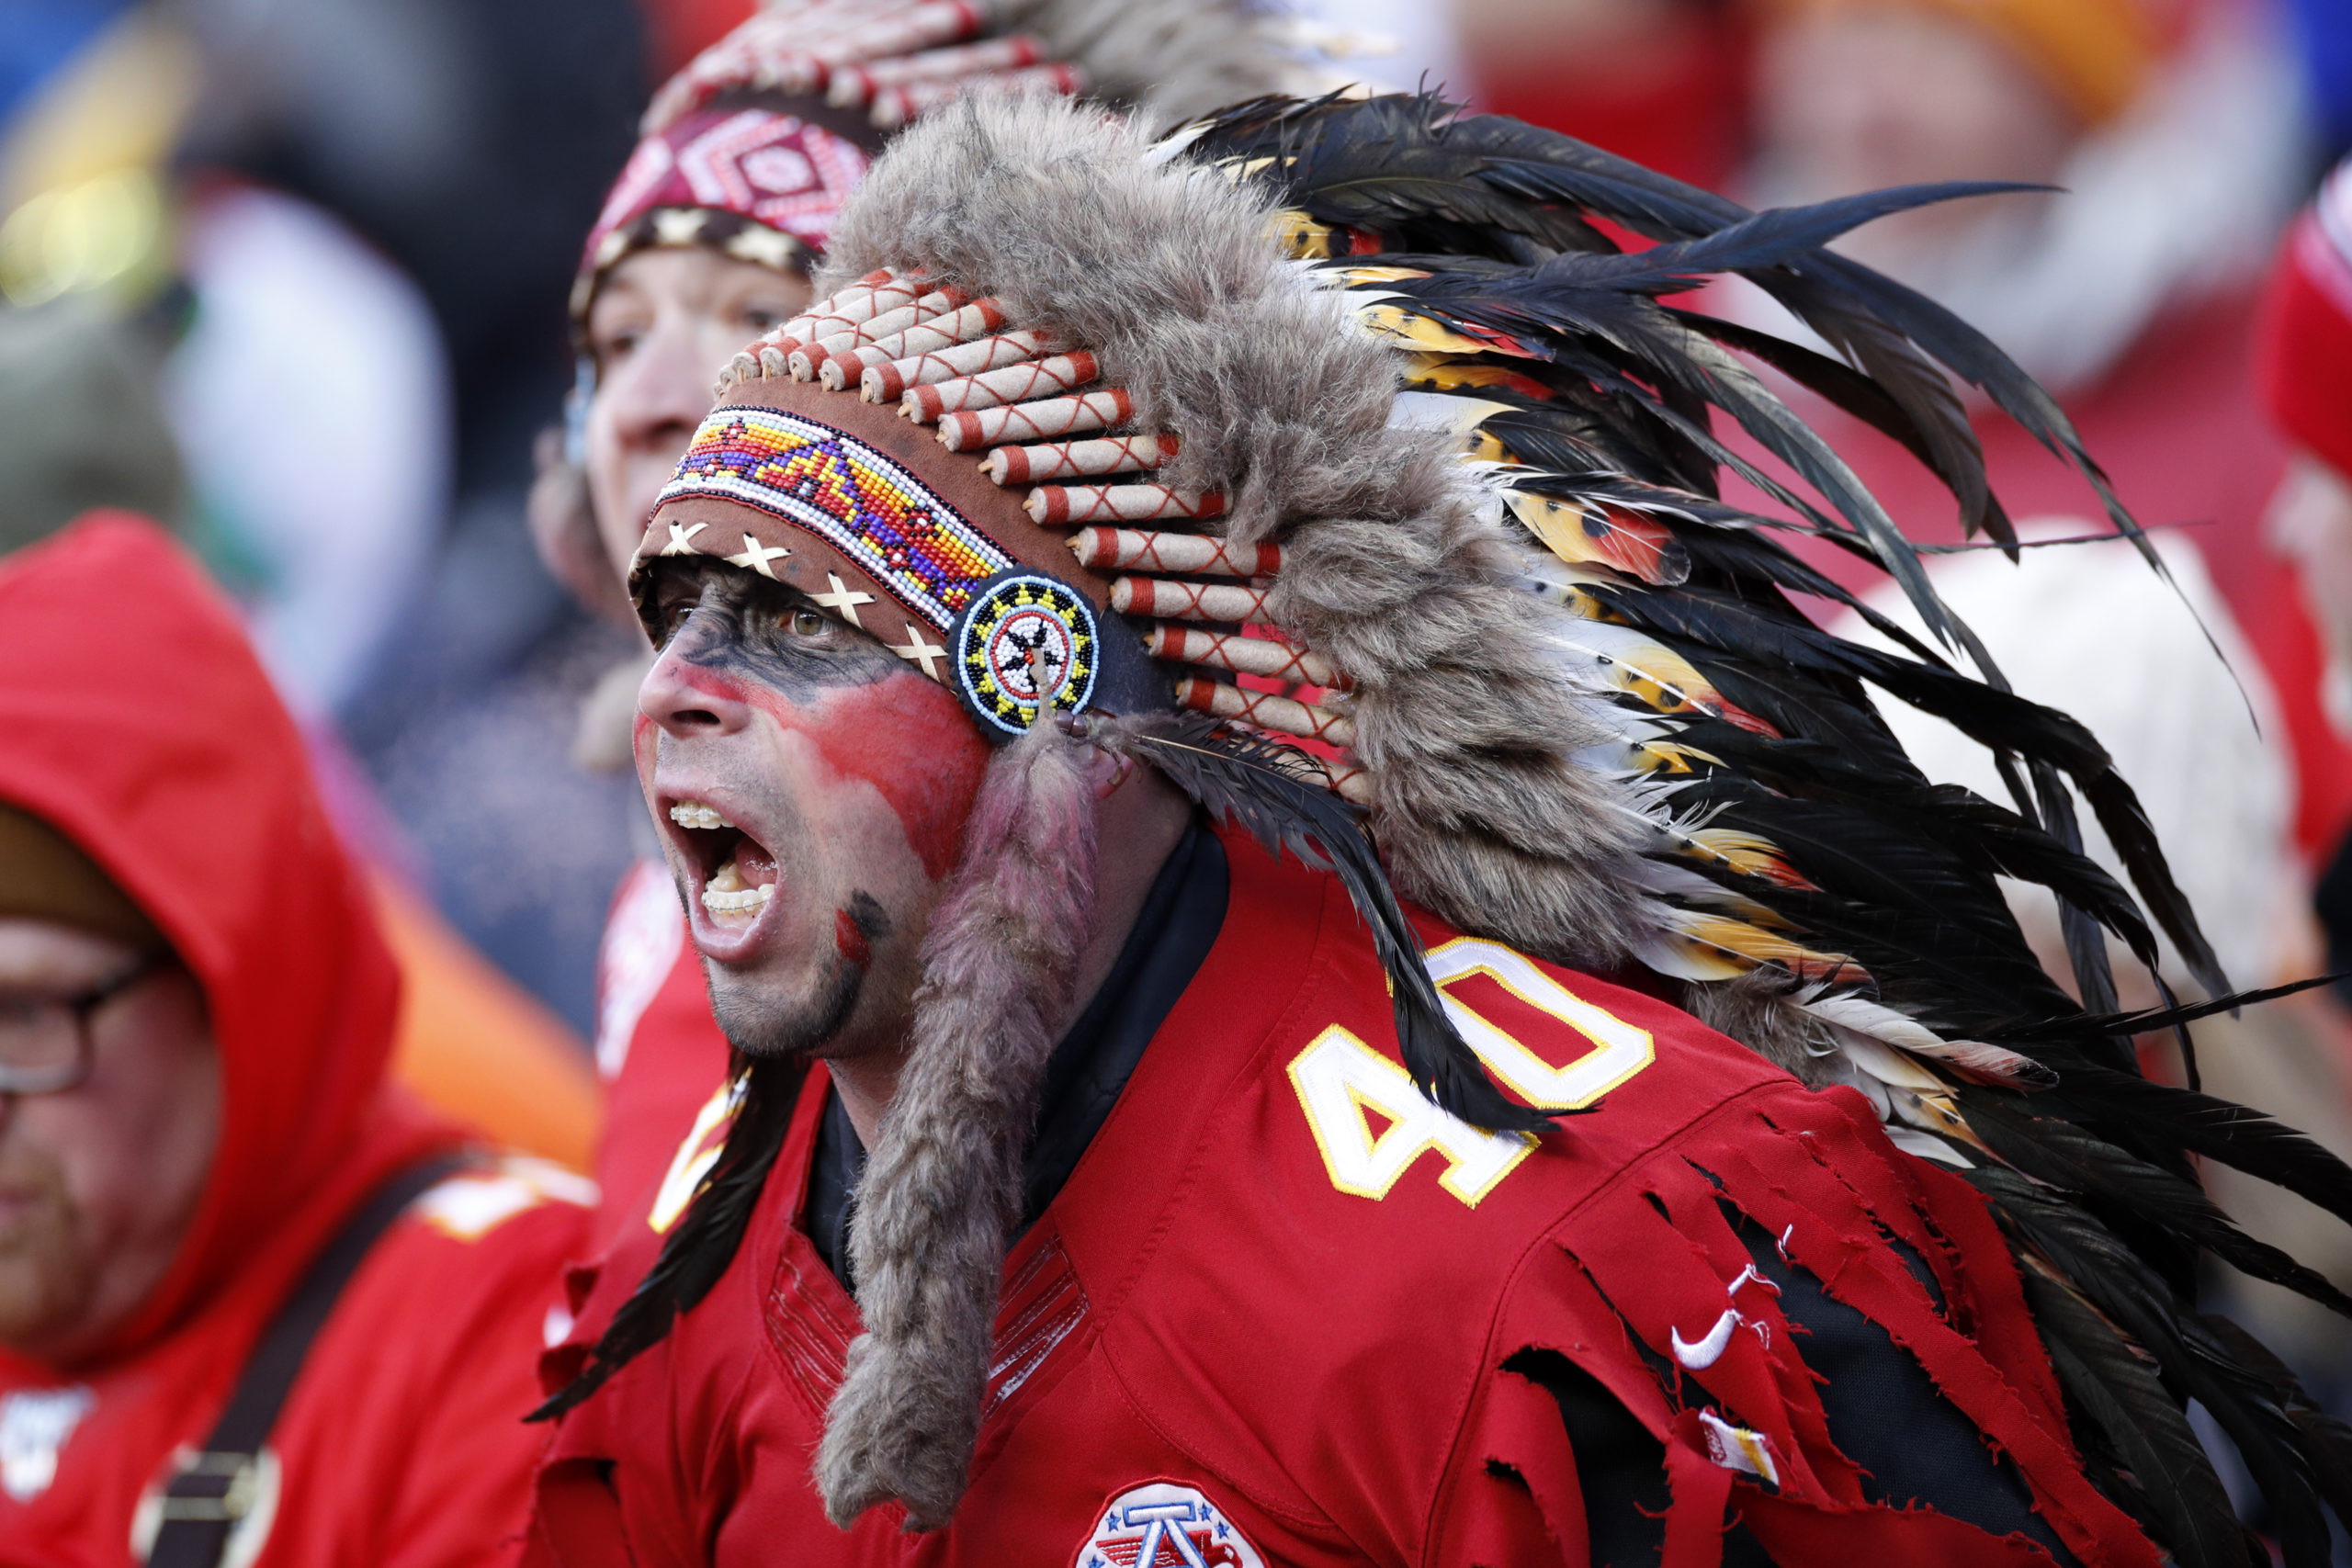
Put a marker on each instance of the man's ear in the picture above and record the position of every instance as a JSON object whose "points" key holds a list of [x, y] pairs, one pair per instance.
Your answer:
{"points": [[1106, 771]]}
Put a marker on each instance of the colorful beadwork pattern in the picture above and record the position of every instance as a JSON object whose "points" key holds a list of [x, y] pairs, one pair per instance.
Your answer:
{"points": [[873, 510], [1020, 629]]}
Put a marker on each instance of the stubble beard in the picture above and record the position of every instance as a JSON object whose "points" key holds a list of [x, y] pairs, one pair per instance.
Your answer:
{"points": [[768, 1028], [46, 1282]]}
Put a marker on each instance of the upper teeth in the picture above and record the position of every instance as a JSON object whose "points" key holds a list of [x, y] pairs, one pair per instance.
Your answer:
{"points": [[694, 814]]}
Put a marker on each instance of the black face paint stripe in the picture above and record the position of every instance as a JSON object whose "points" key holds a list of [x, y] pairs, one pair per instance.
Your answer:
{"points": [[739, 627]]}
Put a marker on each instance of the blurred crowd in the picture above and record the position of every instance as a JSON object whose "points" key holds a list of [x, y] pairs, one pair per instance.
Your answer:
{"points": [[291, 276]]}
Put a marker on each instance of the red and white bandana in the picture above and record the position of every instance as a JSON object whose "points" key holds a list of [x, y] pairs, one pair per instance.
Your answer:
{"points": [[758, 185]]}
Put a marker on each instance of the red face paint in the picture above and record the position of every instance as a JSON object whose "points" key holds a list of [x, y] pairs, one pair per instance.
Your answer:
{"points": [[906, 738], [851, 941]]}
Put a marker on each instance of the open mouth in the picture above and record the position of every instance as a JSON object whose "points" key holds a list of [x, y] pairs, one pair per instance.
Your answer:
{"points": [[736, 872]]}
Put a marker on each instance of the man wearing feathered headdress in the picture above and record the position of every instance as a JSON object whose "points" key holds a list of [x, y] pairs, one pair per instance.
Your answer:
{"points": [[707, 239], [1322, 965]]}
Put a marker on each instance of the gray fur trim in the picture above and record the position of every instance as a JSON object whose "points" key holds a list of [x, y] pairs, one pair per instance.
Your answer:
{"points": [[942, 1188], [1754, 1009], [1395, 565]]}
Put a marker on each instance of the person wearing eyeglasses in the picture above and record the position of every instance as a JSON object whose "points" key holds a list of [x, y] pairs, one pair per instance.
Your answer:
{"points": [[256, 1307]]}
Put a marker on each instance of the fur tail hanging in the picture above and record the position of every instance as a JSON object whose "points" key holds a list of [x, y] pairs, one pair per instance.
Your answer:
{"points": [[942, 1189]]}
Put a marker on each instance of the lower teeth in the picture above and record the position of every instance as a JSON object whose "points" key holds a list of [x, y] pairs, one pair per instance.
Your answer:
{"points": [[727, 895]]}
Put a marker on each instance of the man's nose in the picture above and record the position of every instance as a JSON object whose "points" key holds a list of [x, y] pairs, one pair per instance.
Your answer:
{"points": [[660, 393], [686, 699]]}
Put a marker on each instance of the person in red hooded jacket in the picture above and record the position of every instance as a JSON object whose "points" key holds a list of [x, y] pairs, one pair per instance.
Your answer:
{"points": [[196, 1011]]}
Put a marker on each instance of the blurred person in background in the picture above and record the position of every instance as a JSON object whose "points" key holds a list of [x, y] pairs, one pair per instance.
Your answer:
{"points": [[462, 149], [160, 350], [1661, 82], [2306, 373], [706, 242], [2178, 130], [255, 1306]]}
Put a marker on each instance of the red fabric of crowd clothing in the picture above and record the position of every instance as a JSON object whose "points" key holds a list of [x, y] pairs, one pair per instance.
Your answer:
{"points": [[658, 1050], [140, 723], [1286, 1311], [2306, 340]]}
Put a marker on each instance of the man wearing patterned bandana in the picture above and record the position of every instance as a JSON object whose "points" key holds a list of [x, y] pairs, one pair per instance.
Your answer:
{"points": [[706, 240], [1154, 1141]]}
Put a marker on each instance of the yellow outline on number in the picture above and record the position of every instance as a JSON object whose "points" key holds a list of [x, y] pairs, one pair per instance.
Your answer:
{"points": [[1622, 1049], [1338, 1077]]}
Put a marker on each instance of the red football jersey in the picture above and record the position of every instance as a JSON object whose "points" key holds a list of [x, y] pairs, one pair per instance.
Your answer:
{"points": [[1281, 1313], [658, 1049]]}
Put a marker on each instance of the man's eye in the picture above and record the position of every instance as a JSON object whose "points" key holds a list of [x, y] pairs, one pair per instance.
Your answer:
{"points": [[674, 618], [613, 346], [805, 622], [760, 320]]}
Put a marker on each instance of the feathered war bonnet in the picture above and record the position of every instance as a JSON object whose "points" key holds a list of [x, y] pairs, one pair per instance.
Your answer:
{"points": [[1328, 459]]}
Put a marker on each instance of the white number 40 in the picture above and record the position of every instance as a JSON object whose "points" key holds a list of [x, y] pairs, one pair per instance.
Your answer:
{"points": [[1340, 1079]]}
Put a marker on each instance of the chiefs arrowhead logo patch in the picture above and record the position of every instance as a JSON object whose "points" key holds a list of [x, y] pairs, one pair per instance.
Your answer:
{"points": [[1166, 1524]]}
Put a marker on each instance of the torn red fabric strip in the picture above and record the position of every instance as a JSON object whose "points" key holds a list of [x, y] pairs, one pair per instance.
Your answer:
{"points": [[1671, 1290], [1519, 1425], [1818, 1212], [1700, 1488]]}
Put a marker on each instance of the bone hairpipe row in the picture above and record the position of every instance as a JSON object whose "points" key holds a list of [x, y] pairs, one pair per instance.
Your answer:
{"points": [[1248, 655], [796, 51], [770, 355], [880, 383], [992, 389], [1144, 503], [934, 302], [1265, 710], [894, 106], [1200, 555], [1187, 600], [918, 26], [1029, 422], [978, 320], [854, 87], [943, 310], [1077, 459], [860, 302]]}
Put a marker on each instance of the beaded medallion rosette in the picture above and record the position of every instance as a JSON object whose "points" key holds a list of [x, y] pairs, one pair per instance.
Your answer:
{"points": [[1026, 643]]}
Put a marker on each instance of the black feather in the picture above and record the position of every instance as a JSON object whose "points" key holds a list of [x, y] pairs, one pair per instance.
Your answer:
{"points": [[2127, 1105], [1278, 794], [2064, 1155], [2178, 1494], [698, 1250], [2195, 1363]]}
